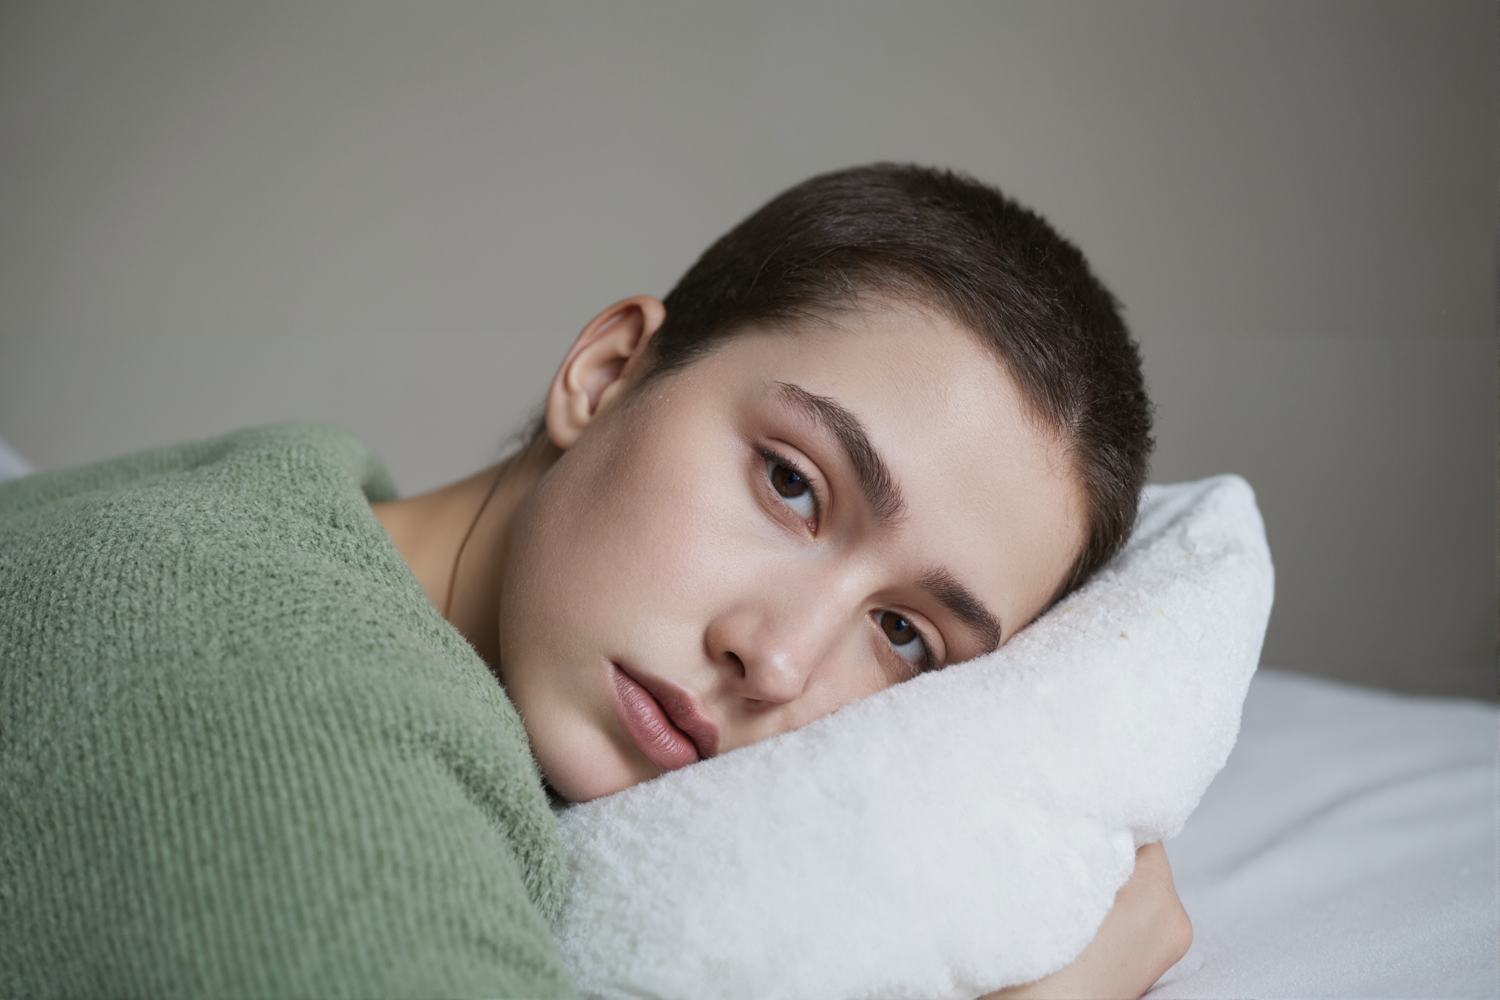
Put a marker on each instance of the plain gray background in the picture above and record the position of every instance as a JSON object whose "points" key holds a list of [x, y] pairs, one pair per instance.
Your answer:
{"points": [[395, 217]]}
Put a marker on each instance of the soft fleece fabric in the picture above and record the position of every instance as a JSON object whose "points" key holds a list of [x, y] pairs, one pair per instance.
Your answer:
{"points": [[962, 832], [240, 752]]}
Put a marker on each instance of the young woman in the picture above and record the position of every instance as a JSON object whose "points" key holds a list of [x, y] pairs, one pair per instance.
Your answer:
{"points": [[255, 743]]}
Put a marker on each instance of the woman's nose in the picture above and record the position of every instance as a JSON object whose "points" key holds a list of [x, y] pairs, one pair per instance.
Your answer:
{"points": [[772, 647]]}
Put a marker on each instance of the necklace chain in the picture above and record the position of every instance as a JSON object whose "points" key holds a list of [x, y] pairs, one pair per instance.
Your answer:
{"points": [[458, 557]]}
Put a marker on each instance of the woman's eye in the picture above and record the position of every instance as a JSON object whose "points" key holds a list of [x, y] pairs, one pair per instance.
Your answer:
{"points": [[906, 640], [792, 487]]}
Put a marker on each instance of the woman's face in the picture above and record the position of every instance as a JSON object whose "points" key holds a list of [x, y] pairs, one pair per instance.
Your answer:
{"points": [[791, 523]]}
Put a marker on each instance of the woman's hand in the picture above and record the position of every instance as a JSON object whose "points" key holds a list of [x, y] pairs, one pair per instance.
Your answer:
{"points": [[1142, 936]]}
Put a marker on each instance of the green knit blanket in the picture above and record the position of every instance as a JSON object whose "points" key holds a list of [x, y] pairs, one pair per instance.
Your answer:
{"points": [[240, 752]]}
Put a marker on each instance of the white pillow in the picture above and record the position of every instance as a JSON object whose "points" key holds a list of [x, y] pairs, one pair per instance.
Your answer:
{"points": [[12, 464], [958, 833]]}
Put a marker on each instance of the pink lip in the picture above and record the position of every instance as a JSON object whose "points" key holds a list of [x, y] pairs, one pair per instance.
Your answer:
{"points": [[662, 719]]}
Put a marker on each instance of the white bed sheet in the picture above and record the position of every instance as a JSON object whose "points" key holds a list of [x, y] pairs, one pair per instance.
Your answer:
{"points": [[1349, 848]]}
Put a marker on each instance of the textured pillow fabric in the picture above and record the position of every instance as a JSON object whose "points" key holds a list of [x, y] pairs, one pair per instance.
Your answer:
{"points": [[958, 833]]}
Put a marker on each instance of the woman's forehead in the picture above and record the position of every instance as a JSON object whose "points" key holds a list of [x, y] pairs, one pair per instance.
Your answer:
{"points": [[916, 377]]}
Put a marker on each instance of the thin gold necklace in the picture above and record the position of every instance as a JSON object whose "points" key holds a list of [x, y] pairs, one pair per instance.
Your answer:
{"points": [[453, 576]]}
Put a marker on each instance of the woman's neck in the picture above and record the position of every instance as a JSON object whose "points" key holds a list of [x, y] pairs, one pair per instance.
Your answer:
{"points": [[455, 540]]}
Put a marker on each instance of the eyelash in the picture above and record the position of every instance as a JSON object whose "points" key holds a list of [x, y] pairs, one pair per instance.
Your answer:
{"points": [[928, 659]]}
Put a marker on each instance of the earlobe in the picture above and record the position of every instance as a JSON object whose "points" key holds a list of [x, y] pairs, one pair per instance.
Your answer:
{"points": [[601, 364]]}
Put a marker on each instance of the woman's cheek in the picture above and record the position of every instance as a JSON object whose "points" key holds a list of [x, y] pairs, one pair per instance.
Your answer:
{"points": [[688, 521]]}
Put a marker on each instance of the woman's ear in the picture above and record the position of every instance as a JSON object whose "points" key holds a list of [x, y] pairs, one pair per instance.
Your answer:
{"points": [[602, 362]]}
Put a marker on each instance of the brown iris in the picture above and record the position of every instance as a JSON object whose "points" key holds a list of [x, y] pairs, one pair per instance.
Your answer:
{"points": [[788, 482], [897, 629]]}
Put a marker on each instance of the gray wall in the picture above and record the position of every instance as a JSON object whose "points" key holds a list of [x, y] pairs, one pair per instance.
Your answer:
{"points": [[395, 216]]}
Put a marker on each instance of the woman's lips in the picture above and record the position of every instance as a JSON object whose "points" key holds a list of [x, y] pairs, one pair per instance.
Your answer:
{"points": [[662, 719]]}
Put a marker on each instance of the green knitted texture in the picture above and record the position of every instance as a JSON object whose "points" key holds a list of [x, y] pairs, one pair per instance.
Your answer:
{"points": [[242, 754]]}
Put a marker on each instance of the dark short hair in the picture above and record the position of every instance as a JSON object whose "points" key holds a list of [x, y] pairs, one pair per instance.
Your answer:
{"points": [[947, 241]]}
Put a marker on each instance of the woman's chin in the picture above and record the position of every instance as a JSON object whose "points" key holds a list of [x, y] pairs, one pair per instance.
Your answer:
{"points": [[590, 766]]}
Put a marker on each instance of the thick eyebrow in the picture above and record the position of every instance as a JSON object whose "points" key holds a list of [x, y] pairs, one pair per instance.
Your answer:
{"points": [[881, 493], [884, 499], [964, 606]]}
